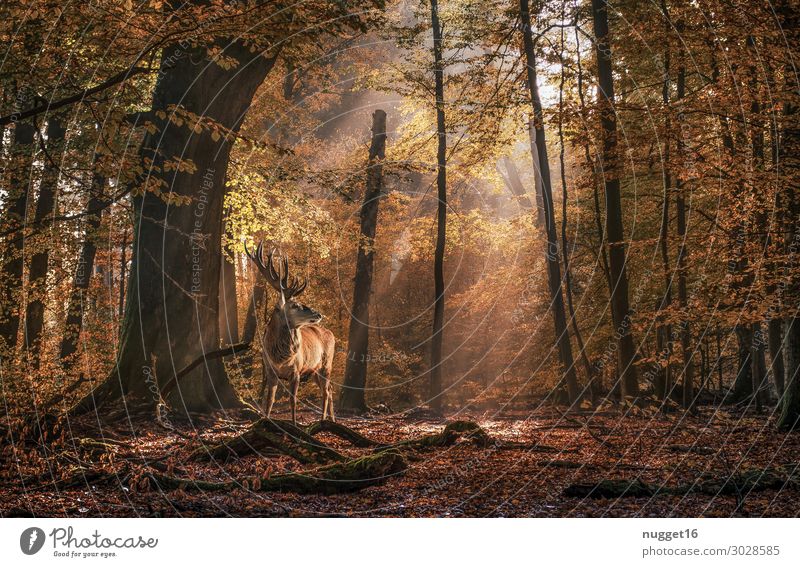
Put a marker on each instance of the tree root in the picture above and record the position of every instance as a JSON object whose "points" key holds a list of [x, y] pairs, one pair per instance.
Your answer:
{"points": [[739, 484], [337, 478], [342, 431], [276, 435]]}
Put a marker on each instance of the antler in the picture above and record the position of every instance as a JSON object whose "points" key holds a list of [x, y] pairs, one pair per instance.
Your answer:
{"points": [[278, 279]]}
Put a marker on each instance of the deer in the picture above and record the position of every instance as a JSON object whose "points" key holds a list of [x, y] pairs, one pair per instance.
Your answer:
{"points": [[294, 345]]}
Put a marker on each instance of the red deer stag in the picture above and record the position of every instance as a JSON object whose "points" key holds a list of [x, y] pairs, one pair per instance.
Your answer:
{"points": [[294, 345]]}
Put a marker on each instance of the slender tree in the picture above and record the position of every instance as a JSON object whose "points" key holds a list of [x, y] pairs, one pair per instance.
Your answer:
{"points": [[620, 308], [435, 378], [553, 262], [355, 374]]}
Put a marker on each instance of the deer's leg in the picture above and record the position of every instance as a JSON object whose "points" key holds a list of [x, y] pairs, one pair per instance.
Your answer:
{"points": [[294, 386], [329, 391], [270, 390]]}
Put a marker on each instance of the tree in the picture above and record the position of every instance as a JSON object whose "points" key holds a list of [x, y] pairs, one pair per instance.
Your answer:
{"points": [[355, 374], [435, 378], [539, 155], [620, 308], [37, 275]]}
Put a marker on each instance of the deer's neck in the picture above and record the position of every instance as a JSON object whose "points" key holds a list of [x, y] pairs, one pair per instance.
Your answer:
{"points": [[282, 342]]}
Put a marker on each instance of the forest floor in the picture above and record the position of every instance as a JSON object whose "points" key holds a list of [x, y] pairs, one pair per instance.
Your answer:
{"points": [[540, 464]]}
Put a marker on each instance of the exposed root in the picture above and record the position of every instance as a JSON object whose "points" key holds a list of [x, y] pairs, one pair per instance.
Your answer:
{"points": [[276, 435], [348, 476], [342, 431]]}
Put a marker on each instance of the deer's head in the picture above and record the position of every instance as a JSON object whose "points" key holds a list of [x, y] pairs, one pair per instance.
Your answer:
{"points": [[291, 312]]}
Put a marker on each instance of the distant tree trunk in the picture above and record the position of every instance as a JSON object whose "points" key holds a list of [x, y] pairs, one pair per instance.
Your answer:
{"points": [[537, 175], [514, 183], [251, 319], [588, 368], [83, 273], [663, 384], [789, 418], [172, 308], [123, 270], [355, 374], [20, 163], [229, 310], [680, 206], [552, 254], [435, 385], [775, 339], [37, 275], [620, 308]]}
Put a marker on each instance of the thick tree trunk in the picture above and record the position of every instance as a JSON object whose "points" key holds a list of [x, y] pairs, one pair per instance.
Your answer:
{"points": [[435, 384], [20, 162], [620, 308], [172, 309], [83, 273], [37, 275], [355, 374]]}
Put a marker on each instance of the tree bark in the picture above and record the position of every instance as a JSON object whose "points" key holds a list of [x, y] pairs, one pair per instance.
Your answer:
{"points": [[355, 375], [83, 273], [620, 308], [435, 384], [172, 309], [37, 275]]}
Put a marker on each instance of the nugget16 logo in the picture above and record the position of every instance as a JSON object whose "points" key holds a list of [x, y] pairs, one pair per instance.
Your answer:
{"points": [[31, 540]]}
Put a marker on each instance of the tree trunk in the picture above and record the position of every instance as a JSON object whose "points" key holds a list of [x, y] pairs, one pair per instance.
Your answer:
{"points": [[251, 319], [775, 339], [664, 329], [229, 310], [355, 374], [37, 275], [20, 162], [620, 308], [564, 243], [514, 183], [680, 206], [83, 273], [435, 385], [790, 408], [172, 309]]}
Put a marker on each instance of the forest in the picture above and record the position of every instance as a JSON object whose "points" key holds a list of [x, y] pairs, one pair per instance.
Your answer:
{"points": [[400, 258]]}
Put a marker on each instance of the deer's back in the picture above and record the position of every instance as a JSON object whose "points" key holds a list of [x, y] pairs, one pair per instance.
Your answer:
{"points": [[316, 348]]}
